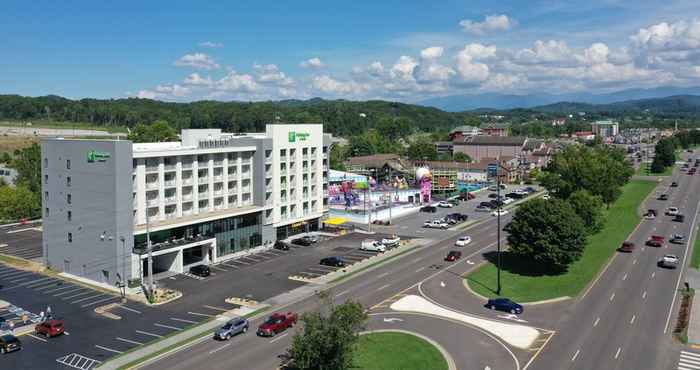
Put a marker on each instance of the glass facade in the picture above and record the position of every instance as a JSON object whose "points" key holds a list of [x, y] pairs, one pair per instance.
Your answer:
{"points": [[232, 234], [284, 232]]}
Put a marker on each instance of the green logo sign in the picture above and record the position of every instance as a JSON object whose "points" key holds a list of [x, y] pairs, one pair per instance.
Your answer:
{"points": [[97, 156], [302, 136]]}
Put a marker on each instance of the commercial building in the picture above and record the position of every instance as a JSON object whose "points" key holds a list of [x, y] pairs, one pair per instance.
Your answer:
{"points": [[203, 199], [462, 132], [479, 147], [495, 129], [605, 129]]}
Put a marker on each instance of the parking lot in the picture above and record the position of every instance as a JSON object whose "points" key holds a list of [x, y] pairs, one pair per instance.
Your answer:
{"points": [[22, 241]]}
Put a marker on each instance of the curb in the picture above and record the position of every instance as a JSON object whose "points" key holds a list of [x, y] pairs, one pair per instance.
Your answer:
{"points": [[448, 358]]}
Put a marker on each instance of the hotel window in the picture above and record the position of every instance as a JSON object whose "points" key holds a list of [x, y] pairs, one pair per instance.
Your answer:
{"points": [[47, 212], [68, 181], [68, 164], [70, 237], [46, 162], [68, 198], [69, 214], [46, 178], [46, 195]]}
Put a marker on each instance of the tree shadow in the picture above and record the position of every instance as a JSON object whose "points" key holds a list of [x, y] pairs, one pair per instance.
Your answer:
{"points": [[521, 265]]}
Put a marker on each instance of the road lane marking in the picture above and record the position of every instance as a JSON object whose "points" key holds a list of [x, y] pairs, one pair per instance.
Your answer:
{"points": [[278, 338], [150, 334], [416, 260], [382, 275], [420, 269], [383, 287], [108, 349], [575, 355], [129, 341], [129, 309], [219, 349], [653, 274], [634, 262], [183, 320], [96, 302], [624, 277], [342, 293], [617, 354], [596, 322], [168, 327], [644, 295], [633, 317], [199, 314], [612, 297]]}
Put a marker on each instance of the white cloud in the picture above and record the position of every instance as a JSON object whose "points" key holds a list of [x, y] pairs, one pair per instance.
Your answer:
{"points": [[664, 36], [403, 68], [312, 63], [432, 52], [545, 52], [467, 65], [235, 82], [270, 73], [492, 23], [174, 90], [328, 84], [596, 53], [501, 82], [196, 80], [147, 94], [211, 44], [198, 61]]}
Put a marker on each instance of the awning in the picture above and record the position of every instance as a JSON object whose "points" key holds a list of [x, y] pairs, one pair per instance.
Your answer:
{"points": [[335, 221]]}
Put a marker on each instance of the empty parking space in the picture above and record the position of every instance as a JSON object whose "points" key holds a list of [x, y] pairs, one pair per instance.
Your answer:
{"points": [[23, 241]]}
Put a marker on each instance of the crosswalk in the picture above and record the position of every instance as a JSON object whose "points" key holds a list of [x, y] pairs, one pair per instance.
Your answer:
{"points": [[77, 361], [689, 361]]}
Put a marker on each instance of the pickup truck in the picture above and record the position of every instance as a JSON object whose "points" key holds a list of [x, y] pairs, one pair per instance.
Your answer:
{"points": [[277, 323], [372, 246], [436, 224]]}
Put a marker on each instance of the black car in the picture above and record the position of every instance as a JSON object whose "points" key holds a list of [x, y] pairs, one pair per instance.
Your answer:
{"points": [[332, 261], [200, 270], [663, 197], [515, 196], [486, 204], [280, 245], [497, 203], [457, 216], [493, 195], [530, 189], [674, 184], [679, 218], [302, 241], [504, 304], [431, 209], [9, 343]]}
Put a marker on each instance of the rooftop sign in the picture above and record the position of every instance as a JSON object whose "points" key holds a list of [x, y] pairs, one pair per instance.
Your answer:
{"points": [[301, 136], [97, 156]]}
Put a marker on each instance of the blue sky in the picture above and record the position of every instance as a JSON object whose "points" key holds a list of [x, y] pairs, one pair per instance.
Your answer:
{"points": [[399, 50]]}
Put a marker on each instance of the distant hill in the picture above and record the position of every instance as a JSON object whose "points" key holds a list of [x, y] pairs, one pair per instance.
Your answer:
{"points": [[456, 103], [682, 105]]}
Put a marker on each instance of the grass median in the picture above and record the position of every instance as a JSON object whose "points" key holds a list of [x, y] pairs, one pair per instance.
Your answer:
{"points": [[642, 171], [397, 351], [524, 283], [695, 259]]}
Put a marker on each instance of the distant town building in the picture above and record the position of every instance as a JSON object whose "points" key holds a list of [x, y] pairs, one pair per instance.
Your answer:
{"points": [[479, 147], [444, 147], [495, 129], [559, 122], [462, 132], [8, 175], [378, 165], [605, 129], [584, 135]]}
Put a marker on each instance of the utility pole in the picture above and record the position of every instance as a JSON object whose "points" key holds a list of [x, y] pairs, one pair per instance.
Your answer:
{"points": [[123, 240], [149, 247], [498, 227]]}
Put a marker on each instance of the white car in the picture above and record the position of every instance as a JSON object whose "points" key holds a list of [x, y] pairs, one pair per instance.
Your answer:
{"points": [[463, 241], [503, 212], [672, 211], [669, 261], [372, 245], [444, 204], [391, 241], [508, 200], [545, 197], [436, 224]]}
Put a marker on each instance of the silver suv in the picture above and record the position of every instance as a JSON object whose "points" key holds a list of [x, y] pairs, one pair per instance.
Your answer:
{"points": [[232, 327]]}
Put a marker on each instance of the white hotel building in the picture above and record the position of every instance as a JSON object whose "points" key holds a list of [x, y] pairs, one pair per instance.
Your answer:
{"points": [[203, 199]]}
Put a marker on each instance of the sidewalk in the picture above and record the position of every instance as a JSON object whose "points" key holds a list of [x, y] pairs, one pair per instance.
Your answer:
{"points": [[692, 276]]}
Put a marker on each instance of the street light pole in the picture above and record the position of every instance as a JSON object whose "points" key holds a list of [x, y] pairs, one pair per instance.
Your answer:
{"points": [[498, 229], [150, 257], [123, 240]]}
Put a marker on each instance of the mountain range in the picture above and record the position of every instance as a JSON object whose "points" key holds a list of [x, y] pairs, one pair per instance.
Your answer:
{"points": [[458, 103]]}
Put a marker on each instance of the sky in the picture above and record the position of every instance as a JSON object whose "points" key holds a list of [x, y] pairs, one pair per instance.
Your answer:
{"points": [[394, 50]]}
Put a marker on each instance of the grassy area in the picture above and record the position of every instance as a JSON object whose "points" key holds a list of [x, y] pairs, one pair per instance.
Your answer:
{"points": [[695, 259], [642, 171], [397, 351], [522, 282], [64, 125]]}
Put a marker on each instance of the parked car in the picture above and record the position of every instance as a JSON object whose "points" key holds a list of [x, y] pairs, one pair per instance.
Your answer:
{"points": [[654, 243], [280, 245], [235, 326], [481, 208], [372, 245], [391, 241], [463, 241], [486, 204], [458, 216], [9, 343], [453, 256], [668, 261], [626, 247], [302, 241], [672, 211], [493, 195], [334, 261], [674, 184], [504, 304], [276, 324], [445, 204], [200, 270], [464, 196], [430, 209], [546, 196], [311, 238], [663, 197], [514, 195], [501, 213], [508, 200], [677, 239], [436, 224], [454, 202], [530, 189], [679, 218], [497, 203]]}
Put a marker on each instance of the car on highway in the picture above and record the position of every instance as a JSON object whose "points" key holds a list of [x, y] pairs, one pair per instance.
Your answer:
{"points": [[499, 213], [654, 243], [200, 270], [453, 256], [674, 184], [463, 241], [280, 245], [663, 197], [504, 304], [391, 241], [9, 343], [277, 323], [650, 214], [372, 245], [677, 239], [668, 261], [334, 261], [235, 326], [679, 218], [436, 224], [305, 242], [626, 247], [50, 328], [445, 204], [429, 209], [672, 211]]}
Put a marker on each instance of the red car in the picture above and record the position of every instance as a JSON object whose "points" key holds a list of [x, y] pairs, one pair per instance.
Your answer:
{"points": [[627, 247], [277, 323], [50, 328], [453, 256], [658, 238]]}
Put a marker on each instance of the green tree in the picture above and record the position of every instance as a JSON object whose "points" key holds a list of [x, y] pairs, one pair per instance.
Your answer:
{"points": [[158, 131], [657, 165], [327, 341], [589, 208], [422, 149], [27, 162], [17, 203], [462, 157], [547, 232], [337, 157], [395, 128]]}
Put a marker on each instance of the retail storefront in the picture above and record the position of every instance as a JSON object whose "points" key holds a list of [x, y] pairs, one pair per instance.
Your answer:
{"points": [[286, 231]]}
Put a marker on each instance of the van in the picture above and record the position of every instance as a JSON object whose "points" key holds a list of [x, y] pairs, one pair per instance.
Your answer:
{"points": [[372, 245]]}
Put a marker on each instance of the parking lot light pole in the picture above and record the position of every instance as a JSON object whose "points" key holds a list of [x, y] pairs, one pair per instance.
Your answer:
{"points": [[123, 240], [498, 229]]}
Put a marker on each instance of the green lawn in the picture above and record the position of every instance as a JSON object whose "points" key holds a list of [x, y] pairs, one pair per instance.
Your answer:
{"points": [[695, 259], [397, 351], [642, 171], [523, 283]]}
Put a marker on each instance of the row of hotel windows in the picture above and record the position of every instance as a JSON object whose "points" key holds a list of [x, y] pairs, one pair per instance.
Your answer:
{"points": [[189, 159], [46, 163]]}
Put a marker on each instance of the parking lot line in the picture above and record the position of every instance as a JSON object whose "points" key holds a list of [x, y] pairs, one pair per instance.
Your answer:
{"points": [[129, 341], [86, 298], [108, 349], [129, 309], [217, 268], [168, 327], [76, 295], [68, 291], [35, 337], [321, 269], [20, 279], [149, 334], [28, 282], [183, 320], [100, 301], [52, 281], [48, 285], [278, 338], [310, 273], [240, 262], [199, 314], [13, 273], [215, 308]]}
